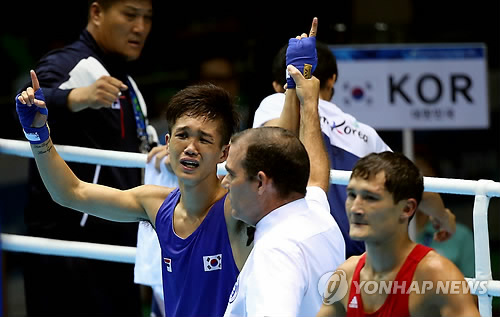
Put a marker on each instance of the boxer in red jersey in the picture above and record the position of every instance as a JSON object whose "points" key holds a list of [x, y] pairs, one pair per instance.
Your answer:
{"points": [[395, 276]]}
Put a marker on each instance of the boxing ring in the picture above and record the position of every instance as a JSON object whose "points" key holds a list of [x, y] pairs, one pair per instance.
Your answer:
{"points": [[483, 190]]}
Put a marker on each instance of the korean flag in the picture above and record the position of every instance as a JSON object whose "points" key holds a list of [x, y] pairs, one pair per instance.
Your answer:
{"points": [[212, 262]]}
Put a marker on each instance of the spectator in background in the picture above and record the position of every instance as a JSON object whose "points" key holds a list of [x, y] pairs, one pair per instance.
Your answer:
{"points": [[221, 72], [221, 69], [94, 103], [460, 247]]}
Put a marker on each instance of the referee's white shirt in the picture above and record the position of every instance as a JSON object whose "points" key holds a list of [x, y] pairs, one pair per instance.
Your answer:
{"points": [[295, 245]]}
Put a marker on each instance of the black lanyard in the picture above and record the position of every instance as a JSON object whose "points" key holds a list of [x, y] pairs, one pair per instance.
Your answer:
{"points": [[140, 120]]}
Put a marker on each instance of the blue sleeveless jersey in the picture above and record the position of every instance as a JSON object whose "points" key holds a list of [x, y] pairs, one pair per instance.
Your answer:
{"points": [[337, 194], [199, 272]]}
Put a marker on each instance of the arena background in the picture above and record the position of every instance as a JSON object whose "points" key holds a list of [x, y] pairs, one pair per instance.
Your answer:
{"points": [[249, 34]]}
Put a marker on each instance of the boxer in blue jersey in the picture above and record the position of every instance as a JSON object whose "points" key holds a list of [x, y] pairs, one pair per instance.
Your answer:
{"points": [[203, 247]]}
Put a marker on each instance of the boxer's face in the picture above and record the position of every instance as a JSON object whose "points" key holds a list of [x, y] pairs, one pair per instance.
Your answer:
{"points": [[195, 148], [373, 214]]}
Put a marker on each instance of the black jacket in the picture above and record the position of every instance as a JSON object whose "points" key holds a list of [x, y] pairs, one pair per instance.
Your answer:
{"points": [[110, 129]]}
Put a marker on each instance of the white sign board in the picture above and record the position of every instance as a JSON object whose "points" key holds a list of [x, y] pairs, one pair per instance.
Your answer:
{"points": [[414, 86]]}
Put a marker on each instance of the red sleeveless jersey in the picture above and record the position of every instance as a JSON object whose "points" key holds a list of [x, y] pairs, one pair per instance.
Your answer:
{"points": [[396, 303]]}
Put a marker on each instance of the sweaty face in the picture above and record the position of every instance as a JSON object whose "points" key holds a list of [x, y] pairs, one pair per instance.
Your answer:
{"points": [[124, 28], [242, 191], [371, 209], [195, 148]]}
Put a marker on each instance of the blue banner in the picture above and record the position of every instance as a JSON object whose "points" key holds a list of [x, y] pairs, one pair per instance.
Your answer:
{"points": [[408, 53]]}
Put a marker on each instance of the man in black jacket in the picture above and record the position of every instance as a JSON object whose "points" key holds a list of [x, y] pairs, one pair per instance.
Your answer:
{"points": [[94, 103]]}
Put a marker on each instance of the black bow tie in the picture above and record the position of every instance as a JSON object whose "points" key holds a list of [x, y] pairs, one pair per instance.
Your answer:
{"points": [[250, 234]]}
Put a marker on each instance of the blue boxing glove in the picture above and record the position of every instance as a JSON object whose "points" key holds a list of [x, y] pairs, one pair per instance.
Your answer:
{"points": [[26, 116], [301, 54]]}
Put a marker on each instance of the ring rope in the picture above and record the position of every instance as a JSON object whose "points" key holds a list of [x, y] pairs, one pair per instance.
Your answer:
{"points": [[138, 160], [97, 251]]}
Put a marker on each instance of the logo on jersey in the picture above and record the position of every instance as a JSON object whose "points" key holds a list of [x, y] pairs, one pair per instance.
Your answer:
{"points": [[168, 264], [333, 286], [32, 136], [234, 292], [354, 302], [344, 128], [212, 262], [334, 126]]}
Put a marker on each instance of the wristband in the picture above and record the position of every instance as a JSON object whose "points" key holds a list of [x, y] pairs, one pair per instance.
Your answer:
{"points": [[26, 113], [37, 135], [26, 116], [301, 54]]}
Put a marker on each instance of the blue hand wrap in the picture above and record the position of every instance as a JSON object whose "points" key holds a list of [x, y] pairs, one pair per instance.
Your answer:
{"points": [[26, 116], [301, 54], [37, 135]]}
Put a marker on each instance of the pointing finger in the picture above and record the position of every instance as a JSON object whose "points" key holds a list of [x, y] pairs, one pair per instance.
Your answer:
{"points": [[34, 80], [314, 27]]}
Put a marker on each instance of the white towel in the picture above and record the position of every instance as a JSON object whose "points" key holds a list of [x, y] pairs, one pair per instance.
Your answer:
{"points": [[147, 269], [85, 73], [88, 71]]}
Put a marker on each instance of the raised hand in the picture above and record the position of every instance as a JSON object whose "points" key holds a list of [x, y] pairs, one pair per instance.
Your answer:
{"points": [[307, 90], [32, 112], [301, 53], [30, 105]]}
